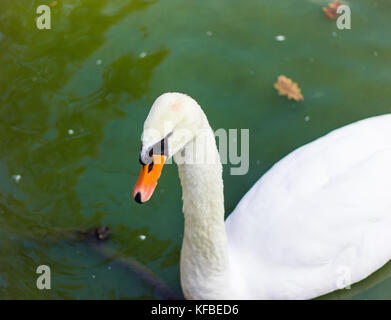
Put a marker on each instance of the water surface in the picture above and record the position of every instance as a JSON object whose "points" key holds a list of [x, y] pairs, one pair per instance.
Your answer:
{"points": [[73, 100]]}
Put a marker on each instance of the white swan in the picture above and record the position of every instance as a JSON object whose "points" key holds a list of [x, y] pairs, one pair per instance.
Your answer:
{"points": [[317, 220]]}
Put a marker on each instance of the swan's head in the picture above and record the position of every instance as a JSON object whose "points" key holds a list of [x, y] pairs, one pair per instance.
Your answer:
{"points": [[172, 122]]}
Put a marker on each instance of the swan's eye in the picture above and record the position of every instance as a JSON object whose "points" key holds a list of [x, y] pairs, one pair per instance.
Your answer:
{"points": [[159, 148], [150, 167]]}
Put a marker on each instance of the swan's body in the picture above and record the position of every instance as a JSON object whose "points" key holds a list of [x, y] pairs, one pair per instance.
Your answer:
{"points": [[319, 219]]}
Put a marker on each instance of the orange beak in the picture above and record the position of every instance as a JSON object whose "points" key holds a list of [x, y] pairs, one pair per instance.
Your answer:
{"points": [[147, 180]]}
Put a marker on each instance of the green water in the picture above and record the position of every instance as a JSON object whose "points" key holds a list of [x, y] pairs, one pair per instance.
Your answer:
{"points": [[73, 100]]}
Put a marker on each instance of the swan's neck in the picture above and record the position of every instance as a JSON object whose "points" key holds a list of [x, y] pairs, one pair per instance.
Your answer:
{"points": [[204, 256]]}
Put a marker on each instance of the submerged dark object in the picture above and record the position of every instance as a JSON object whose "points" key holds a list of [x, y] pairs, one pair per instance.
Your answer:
{"points": [[98, 235], [102, 233], [96, 239], [95, 234]]}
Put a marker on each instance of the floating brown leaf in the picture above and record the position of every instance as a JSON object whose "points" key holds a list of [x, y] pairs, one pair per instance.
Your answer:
{"points": [[53, 3], [331, 10], [286, 87]]}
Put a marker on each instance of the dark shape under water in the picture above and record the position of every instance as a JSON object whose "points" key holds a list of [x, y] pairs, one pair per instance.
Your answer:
{"points": [[98, 235]]}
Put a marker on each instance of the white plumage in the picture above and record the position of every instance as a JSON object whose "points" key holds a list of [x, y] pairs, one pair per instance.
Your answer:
{"points": [[319, 219]]}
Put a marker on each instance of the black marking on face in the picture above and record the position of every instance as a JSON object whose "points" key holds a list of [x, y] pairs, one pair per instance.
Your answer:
{"points": [[159, 148]]}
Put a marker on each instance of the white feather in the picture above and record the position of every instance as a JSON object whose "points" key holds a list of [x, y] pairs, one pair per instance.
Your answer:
{"points": [[318, 218]]}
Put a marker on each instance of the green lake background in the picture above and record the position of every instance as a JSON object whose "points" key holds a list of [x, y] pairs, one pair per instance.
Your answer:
{"points": [[73, 100]]}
